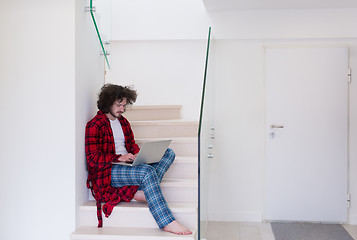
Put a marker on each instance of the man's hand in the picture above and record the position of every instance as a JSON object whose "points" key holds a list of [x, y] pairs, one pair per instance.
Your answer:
{"points": [[127, 158]]}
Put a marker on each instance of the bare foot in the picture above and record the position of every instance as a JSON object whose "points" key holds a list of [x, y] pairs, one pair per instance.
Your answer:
{"points": [[175, 227], [140, 196]]}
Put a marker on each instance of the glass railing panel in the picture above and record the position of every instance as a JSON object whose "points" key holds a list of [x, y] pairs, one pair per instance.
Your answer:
{"points": [[100, 11], [206, 140]]}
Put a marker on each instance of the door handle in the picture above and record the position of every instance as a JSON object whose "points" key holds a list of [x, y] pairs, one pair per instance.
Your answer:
{"points": [[272, 130], [276, 126]]}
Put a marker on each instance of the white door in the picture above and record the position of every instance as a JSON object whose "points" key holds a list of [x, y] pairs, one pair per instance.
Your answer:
{"points": [[306, 134]]}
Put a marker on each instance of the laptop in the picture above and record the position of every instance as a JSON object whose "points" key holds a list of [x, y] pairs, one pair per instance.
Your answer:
{"points": [[150, 152]]}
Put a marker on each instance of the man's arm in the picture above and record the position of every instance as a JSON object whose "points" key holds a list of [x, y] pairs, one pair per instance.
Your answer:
{"points": [[97, 157]]}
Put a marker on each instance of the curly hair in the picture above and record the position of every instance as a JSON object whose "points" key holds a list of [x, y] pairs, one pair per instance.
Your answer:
{"points": [[110, 93]]}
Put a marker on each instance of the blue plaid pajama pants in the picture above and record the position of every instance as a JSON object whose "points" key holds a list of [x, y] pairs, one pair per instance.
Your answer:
{"points": [[148, 177]]}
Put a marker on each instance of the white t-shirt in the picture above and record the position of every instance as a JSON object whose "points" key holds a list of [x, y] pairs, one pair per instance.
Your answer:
{"points": [[118, 135]]}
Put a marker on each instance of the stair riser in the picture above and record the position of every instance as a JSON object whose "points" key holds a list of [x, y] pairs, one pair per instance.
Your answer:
{"points": [[164, 131], [134, 219], [173, 194], [180, 194], [185, 148], [181, 148], [182, 171], [145, 114]]}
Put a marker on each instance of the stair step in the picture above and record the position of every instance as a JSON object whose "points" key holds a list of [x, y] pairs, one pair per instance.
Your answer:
{"points": [[147, 113], [161, 129], [134, 214], [183, 146], [183, 167], [122, 233]]}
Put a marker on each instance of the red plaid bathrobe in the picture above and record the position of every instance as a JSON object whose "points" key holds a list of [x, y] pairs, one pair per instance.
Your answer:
{"points": [[100, 153]]}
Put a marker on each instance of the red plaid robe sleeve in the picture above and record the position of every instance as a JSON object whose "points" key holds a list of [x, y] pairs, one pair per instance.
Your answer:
{"points": [[100, 153]]}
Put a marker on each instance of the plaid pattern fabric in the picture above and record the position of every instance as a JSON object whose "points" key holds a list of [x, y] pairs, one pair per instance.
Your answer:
{"points": [[100, 153], [149, 178]]}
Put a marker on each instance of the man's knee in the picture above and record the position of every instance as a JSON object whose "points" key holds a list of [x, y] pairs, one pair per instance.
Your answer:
{"points": [[148, 170], [149, 176], [170, 155]]}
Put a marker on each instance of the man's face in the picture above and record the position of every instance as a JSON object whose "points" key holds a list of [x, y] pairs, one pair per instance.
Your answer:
{"points": [[118, 108]]}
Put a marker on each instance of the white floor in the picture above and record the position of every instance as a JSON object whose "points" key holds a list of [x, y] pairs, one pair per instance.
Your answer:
{"points": [[249, 231]]}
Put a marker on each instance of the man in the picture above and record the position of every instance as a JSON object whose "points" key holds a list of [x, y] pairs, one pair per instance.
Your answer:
{"points": [[109, 138]]}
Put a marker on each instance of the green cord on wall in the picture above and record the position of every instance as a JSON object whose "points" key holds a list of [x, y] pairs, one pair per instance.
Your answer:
{"points": [[96, 28]]}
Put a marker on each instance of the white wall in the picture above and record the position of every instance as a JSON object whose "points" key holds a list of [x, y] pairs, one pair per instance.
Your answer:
{"points": [[37, 80], [236, 186], [284, 24], [236, 181], [160, 47], [89, 80], [164, 72], [50, 72], [158, 19]]}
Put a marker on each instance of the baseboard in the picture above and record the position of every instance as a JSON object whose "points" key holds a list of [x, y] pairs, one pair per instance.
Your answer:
{"points": [[235, 216]]}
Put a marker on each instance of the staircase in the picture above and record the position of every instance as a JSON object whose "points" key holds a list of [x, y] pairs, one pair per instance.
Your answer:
{"points": [[133, 220]]}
